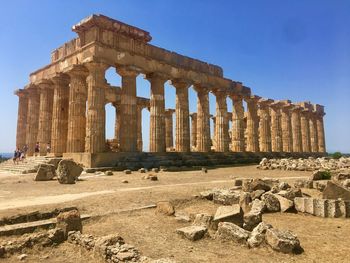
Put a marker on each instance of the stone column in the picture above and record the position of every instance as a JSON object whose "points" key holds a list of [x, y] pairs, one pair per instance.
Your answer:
{"points": [[157, 108], [313, 132], [21, 118], [169, 128], [221, 131], [117, 123], [320, 132], [237, 124], [128, 131], [77, 110], [182, 137], [95, 140], [60, 115], [276, 127], [305, 130], [32, 118], [264, 125], [296, 129], [213, 139], [203, 140], [139, 109], [193, 130], [252, 124], [45, 115], [287, 138]]}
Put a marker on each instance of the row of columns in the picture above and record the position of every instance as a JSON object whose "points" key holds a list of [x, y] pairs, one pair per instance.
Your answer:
{"points": [[69, 111]]}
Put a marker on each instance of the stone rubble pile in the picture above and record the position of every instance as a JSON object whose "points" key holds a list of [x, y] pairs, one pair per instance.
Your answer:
{"points": [[309, 164]]}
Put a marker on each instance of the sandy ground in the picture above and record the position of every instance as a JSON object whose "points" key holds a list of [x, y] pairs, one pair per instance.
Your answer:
{"points": [[324, 240]]}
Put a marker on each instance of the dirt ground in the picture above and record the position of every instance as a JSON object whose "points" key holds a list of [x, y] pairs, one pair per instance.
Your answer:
{"points": [[324, 240]]}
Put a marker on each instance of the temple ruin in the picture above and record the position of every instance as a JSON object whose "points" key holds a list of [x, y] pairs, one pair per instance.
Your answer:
{"points": [[64, 103]]}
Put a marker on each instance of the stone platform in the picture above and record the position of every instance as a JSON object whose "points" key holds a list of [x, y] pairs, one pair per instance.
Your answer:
{"points": [[124, 160]]}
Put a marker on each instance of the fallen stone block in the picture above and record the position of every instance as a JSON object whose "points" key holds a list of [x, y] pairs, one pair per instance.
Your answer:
{"points": [[165, 208], [232, 214], [271, 201], [183, 216], [231, 232], [142, 170], [258, 205], [244, 201], [283, 186], [127, 171], [251, 219], [335, 191], [68, 172], [226, 197], [108, 173], [291, 193], [286, 205], [257, 194], [203, 220], [302, 183], [46, 172], [69, 221], [192, 233], [255, 184], [258, 235], [283, 241]]}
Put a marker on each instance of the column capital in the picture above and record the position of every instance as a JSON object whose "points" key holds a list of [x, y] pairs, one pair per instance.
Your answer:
{"points": [[158, 76], [276, 105], [199, 88], [94, 65], [169, 111], [21, 92], [193, 115], [180, 84], [128, 71], [45, 84], [235, 97], [61, 79], [219, 92], [252, 99], [78, 71], [264, 102]]}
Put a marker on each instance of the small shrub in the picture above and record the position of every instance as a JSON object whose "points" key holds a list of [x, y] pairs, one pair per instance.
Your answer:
{"points": [[326, 175], [337, 155]]}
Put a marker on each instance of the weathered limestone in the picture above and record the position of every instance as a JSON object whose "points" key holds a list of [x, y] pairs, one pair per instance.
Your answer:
{"points": [[32, 119], [287, 138], [305, 130], [77, 109], [45, 115], [95, 121], [21, 118], [320, 127], [237, 132], [141, 104], [128, 132], [169, 142], [252, 124], [157, 108], [193, 130], [221, 130], [203, 122], [117, 123], [182, 137], [276, 127], [296, 128], [313, 132], [264, 125], [60, 115]]}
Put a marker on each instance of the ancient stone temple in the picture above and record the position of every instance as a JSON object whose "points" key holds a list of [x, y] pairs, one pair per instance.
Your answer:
{"points": [[64, 103]]}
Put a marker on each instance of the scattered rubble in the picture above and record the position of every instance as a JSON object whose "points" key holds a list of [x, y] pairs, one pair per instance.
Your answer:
{"points": [[334, 190], [193, 232], [283, 241], [165, 208], [69, 221], [68, 171], [46, 172]]}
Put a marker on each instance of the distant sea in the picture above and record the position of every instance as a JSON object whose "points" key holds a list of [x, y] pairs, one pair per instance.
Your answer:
{"points": [[6, 155]]}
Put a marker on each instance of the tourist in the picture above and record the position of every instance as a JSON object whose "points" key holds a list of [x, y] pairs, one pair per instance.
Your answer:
{"points": [[16, 156], [48, 148], [25, 149], [37, 149]]}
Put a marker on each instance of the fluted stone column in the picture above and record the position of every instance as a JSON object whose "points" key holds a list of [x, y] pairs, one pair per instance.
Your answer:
{"points": [[213, 139], [169, 128], [157, 108], [45, 115], [139, 127], [264, 125], [237, 132], [320, 132], [77, 110], [95, 141], [128, 131], [287, 138], [221, 131], [296, 129], [60, 115], [252, 124], [117, 123], [203, 140], [313, 132], [182, 137], [193, 130], [21, 118], [32, 119], [305, 130], [276, 127]]}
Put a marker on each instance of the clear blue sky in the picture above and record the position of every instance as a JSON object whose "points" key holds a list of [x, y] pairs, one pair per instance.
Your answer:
{"points": [[298, 50]]}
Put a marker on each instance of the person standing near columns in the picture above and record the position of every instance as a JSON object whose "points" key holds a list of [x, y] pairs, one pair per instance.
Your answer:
{"points": [[169, 142], [252, 123], [276, 127], [287, 138], [77, 109], [45, 115], [193, 130], [128, 131], [157, 108], [264, 125], [203, 140], [182, 137], [296, 129], [32, 118], [221, 131], [238, 144], [21, 118]]}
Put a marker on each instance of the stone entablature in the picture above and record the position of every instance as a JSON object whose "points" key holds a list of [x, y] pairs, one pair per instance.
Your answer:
{"points": [[65, 102]]}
